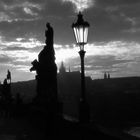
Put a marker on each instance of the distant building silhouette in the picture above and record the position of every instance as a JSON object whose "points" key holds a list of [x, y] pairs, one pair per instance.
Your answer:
{"points": [[62, 68], [69, 69], [69, 90], [105, 75], [108, 76]]}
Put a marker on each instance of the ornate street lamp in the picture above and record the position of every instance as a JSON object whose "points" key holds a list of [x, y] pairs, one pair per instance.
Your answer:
{"points": [[80, 29]]}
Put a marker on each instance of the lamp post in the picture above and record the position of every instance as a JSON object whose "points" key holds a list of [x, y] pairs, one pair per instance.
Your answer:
{"points": [[80, 28]]}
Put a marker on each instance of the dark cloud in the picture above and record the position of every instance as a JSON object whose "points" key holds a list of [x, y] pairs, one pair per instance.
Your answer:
{"points": [[22, 63], [22, 29], [36, 49], [16, 10], [15, 49], [53, 11], [5, 59], [116, 2], [105, 61], [109, 20], [9, 2], [96, 65]]}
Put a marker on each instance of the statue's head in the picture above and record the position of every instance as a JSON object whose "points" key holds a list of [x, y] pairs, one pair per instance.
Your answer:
{"points": [[48, 24]]}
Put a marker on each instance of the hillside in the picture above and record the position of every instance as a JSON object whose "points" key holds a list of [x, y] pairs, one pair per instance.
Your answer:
{"points": [[27, 89], [118, 96]]}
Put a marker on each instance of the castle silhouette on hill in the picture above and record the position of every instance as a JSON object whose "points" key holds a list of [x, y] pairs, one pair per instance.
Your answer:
{"points": [[109, 98], [102, 94], [69, 84]]}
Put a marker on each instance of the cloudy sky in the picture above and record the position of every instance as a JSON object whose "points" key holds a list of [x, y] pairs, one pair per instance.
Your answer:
{"points": [[113, 44]]}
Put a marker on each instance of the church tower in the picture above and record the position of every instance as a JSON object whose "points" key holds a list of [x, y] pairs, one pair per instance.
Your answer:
{"points": [[105, 75], [62, 68]]}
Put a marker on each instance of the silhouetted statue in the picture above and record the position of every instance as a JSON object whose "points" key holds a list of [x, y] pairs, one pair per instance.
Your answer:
{"points": [[5, 82], [46, 78], [6, 89], [49, 34], [46, 71], [9, 77], [6, 94]]}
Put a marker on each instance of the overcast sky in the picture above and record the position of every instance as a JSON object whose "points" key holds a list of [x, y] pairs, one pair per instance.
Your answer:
{"points": [[113, 43]]}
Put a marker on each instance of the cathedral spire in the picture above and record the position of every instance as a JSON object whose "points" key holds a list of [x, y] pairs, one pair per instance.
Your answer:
{"points": [[62, 68]]}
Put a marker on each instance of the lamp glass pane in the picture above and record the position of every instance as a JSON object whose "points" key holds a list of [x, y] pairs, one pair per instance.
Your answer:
{"points": [[85, 34], [75, 33], [81, 37], [78, 36]]}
